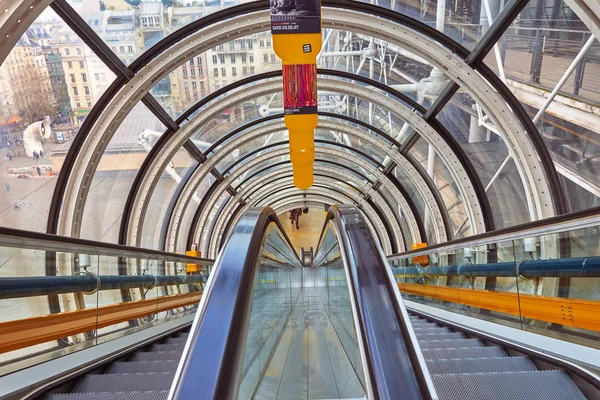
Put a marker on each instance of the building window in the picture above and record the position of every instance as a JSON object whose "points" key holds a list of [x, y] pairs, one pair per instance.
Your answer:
{"points": [[81, 64], [97, 76], [77, 104], [193, 72], [221, 46], [233, 71], [89, 103], [250, 44], [266, 58], [200, 71], [243, 44], [199, 60], [72, 78], [191, 62], [252, 70], [196, 96], [273, 58], [69, 64], [75, 92], [232, 45], [233, 58], [215, 59], [122, 49], [194, 86], [67, 52], [78, 51], [261, 43], [223, 72], [184, 72], [86, 90], [202, 86], [186, 86], [84, 77], [268, 42], [187, 96], [244, 57], [251, 58], [216, 71], [130, 49], [245, 71], [222, 58]]}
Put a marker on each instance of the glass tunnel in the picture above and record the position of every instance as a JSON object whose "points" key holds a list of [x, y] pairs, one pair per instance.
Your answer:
{"points": [[153, 243]]}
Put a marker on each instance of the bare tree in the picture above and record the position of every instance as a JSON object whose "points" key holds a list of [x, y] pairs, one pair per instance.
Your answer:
{"points": [[33, 95]]}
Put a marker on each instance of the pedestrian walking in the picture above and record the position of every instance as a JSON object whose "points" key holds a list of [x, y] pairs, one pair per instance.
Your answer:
{"points": [[42, 153], [39, 170], [7, 187], [10, 156]]}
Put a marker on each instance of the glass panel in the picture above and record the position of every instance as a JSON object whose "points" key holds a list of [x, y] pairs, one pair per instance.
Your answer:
{"points": [[536, 50], [275, 292], [116, 172], [336, 298], [446, 185], [208, 72], [487, 152], [188, 216], [179, 168], [51, 76], [547, 284]]}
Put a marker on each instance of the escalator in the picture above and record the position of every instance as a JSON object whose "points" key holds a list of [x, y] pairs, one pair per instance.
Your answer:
{"points": [[269, 328], [144, 374]]}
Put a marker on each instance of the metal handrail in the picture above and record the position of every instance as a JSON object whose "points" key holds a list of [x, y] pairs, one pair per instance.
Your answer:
{"points": [[563, 223], [385, 336], [214, 353], [21, 239]]}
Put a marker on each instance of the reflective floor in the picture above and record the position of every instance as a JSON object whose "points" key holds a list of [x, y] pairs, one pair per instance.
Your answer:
{"points": [[309, 361]]}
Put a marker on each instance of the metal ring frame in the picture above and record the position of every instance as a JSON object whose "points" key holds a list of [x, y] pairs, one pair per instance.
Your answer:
{"points": [[202, 170], [65, 186], [284, 183], [285, 171], [336, 26], [256, 161]]}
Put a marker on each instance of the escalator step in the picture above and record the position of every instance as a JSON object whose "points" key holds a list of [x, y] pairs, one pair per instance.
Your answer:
{"points": [[142, 366], [468, 352], [426, 330], [156, 356], [530, 385], [124, 382], [473, 365], [173, 340], [167, 347], [153, 395], [421, 337], [440, 344]]}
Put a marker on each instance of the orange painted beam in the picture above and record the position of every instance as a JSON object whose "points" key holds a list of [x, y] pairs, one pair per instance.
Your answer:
{"points": [[27, 332], [577, 313]]}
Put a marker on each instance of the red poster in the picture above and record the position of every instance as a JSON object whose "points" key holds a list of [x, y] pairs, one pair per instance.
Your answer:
{"points": [[300, 89]]}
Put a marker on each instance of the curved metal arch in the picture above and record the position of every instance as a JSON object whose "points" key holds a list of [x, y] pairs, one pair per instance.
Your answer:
{"points": [[465, 181], [377, 225], [286, 188], [352, 27], [421, 180], [202, 170], [318, 150], [321, 173]]}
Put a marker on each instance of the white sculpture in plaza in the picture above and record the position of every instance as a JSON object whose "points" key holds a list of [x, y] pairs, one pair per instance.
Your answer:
{"points": [[33, 135]]}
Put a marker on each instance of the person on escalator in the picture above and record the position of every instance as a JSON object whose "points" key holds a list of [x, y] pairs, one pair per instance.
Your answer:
{"points": [[295, 216]]}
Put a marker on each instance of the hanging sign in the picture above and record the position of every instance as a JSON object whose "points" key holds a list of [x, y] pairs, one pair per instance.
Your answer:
{"points": [[295, 16]]}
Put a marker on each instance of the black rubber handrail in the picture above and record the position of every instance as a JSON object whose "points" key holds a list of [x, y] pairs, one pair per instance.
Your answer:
{"points": [[212, 363], [394, 367]]}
